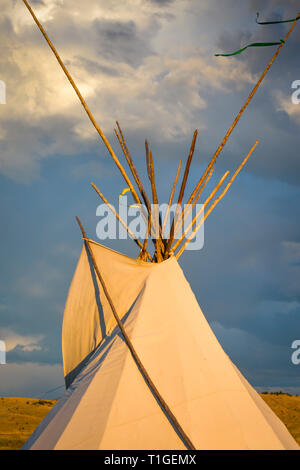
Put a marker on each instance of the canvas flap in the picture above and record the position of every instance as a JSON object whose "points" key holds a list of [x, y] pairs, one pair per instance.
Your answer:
{"points": [[88, 317]]}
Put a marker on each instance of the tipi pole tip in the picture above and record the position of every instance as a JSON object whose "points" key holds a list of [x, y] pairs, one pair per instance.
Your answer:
{"points": [[135, 174], [218, 199], [171, 197], [81, 227], [181, 193], [119, 218], [190, 226]]}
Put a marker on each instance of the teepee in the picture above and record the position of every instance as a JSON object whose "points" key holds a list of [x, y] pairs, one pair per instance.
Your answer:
{"points": [[143, 369], [109, 404]]}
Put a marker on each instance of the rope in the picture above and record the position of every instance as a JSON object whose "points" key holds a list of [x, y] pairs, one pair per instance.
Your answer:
{"points": [[41, 395]]}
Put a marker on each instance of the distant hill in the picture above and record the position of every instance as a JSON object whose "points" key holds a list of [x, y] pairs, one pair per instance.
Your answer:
{"points": [[20, 416]]}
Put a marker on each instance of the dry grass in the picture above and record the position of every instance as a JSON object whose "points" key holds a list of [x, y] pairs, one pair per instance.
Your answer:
{"points": [[20, 416], [18, 419], [287, 408]]}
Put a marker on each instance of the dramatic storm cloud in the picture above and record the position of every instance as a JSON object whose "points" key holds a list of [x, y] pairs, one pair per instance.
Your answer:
{"points": [[151, 65]]}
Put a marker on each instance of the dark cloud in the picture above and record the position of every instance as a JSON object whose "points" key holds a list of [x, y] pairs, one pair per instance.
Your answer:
{"points": [[121, 41], [38, 2], [275, 7], [161, 2], [93, 67], [44, 355]]}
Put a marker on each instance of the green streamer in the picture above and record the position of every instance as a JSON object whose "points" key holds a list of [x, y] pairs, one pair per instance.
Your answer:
{"points": [[254, 44], [276, 22]]}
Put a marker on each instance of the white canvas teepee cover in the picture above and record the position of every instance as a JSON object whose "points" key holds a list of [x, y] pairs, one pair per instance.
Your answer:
{"points": [[108, 405]]}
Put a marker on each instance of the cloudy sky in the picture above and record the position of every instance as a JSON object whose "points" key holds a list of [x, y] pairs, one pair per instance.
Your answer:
{"points": [[151, 65]]}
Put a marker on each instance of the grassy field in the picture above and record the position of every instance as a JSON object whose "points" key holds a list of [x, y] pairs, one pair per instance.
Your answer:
{"points": [[18, 419], [20, 416], [287, 408]]}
